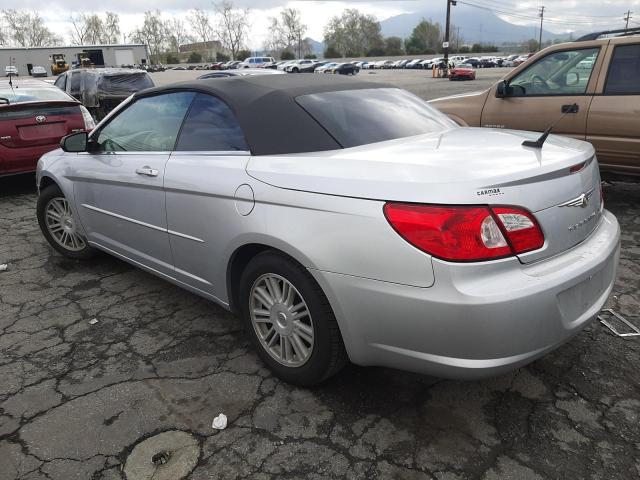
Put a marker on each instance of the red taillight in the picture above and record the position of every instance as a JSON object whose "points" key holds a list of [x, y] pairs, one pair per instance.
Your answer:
{"points": [[89, 124], [521, 228], [466, 233]]}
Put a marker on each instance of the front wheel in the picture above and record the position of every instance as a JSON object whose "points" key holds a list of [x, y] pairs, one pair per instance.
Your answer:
{"points": [[290, 321], [60, 226]]}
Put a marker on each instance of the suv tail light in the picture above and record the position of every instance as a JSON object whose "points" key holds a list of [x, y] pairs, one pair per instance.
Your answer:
{"points": [[89, 124], [466, 233]]}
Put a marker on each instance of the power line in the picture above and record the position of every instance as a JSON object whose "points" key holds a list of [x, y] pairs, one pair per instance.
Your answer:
{"points": [[534, 17]]}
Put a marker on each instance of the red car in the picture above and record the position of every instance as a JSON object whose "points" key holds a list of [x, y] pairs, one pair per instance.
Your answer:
{"points": [[34, 116], [463, 71]]}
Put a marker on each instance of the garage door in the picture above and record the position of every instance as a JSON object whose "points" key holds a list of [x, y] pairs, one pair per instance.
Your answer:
{"points": [[124, 57]]}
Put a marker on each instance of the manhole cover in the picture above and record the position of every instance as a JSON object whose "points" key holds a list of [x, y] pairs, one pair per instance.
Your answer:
{"points": [[167, 456]]}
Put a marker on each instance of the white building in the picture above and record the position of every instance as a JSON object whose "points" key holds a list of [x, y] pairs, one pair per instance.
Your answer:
{"points": [[100, 55]]}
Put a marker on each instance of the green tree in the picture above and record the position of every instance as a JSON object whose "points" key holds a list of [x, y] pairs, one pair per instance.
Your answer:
{"points": [[533, 45], [231, 26], [286, 33], [153, 32], [221, 57], [171, 59], [310, 56], [425, 38], [353, 34], [374, 52], [194, 57], [393, 46], [27, 29], [287, 55], [243, 54], [331, 52]]}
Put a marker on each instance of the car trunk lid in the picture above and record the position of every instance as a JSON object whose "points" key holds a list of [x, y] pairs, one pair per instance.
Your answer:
{"points": [[34, 124], [458, 167]]}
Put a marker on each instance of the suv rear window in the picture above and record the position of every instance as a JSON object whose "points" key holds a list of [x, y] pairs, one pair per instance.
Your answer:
{"points": [[624, 71], [361, 117], [125, 83]]}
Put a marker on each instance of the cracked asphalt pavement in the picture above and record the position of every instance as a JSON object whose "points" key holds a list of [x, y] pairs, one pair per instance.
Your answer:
{"points": [[76, 397]]}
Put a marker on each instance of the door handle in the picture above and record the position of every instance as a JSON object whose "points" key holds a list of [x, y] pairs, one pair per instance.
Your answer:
{"points": [[573, 108], [148, 171]]}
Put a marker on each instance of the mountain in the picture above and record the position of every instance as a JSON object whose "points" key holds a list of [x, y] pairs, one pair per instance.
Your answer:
{"points": [[476, 25], [316, 47]]}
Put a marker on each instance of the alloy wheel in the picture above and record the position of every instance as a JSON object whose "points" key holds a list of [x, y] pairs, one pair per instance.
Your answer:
{"points": [[281, 319], [62, 226]]}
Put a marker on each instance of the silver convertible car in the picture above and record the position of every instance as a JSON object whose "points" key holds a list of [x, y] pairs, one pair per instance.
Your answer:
{"points": [[343, 220]]}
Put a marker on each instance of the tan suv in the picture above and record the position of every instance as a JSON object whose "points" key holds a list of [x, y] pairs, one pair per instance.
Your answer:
{"points": [[600, 75]]}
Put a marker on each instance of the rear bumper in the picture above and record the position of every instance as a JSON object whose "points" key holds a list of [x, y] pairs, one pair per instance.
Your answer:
{"points": [[478, 319]]}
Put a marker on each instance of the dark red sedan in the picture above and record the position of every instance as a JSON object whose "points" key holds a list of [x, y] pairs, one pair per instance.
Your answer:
{"points": [[462, 71], [34, 116]]}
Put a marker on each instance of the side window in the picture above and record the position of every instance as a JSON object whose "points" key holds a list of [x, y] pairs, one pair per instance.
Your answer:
{"points": [[560, 73], [61, 82], [75, 84], [623, 71], [150, 124], [211, 126]]}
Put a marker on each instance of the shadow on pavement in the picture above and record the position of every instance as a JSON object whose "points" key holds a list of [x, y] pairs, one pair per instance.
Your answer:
{"points": [[17, 184]]}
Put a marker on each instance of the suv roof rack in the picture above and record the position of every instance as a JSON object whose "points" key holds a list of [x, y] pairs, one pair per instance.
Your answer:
{"points": [[616, 33]]}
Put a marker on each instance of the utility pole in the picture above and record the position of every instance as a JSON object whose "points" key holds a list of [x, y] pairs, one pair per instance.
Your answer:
{"points": [[627, 17], [541, 20], [445, 45]]}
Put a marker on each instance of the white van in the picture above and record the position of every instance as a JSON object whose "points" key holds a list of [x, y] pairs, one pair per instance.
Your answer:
{"points": [[257, 62]]}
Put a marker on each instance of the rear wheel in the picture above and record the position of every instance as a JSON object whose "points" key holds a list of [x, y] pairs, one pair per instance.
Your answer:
{"points": [[289, 320], [60, 226]]}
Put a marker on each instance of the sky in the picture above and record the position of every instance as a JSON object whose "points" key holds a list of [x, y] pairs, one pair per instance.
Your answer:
{"points": [[562, 15]]}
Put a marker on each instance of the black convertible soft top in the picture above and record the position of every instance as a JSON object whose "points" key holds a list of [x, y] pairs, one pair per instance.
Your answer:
{"points": [[265, 106]]}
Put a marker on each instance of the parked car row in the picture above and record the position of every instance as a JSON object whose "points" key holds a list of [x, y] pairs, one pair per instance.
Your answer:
{"points": [[315, 66], [312, 65]]}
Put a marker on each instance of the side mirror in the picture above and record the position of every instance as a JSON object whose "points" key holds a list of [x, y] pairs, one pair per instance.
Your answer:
{"points": [[572, 78], [503, 89], [75, 143]]}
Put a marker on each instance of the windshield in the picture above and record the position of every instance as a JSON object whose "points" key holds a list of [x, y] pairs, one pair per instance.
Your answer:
{"points": [[25, 94], [361, 117]]}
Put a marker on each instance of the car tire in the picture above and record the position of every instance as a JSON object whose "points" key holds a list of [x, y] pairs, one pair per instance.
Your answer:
{"points": [[295, 70], [303, 351], [58, 225]]}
